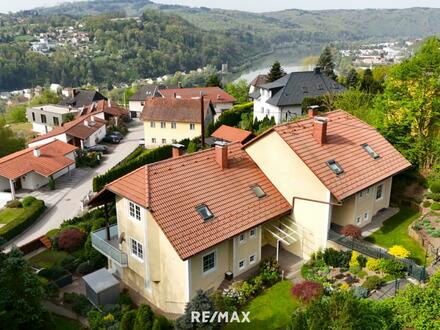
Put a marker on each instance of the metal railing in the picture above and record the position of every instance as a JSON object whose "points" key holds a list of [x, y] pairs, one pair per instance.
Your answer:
{"points": [[100, 243], [414, 270]]}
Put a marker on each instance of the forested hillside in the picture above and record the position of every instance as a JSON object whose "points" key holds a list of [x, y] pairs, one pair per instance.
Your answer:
{"points": [[125, 50]]}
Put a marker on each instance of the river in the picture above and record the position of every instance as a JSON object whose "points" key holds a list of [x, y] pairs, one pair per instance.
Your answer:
{"points": [[291, 60]]}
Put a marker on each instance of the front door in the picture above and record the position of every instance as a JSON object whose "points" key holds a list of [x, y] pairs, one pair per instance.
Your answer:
{"points": [[17, 184]]}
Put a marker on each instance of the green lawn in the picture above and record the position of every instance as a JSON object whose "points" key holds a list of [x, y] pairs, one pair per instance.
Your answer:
{"points": [[64, 323], [9, 214], [271, 310], [47, 258], [395, 232]]}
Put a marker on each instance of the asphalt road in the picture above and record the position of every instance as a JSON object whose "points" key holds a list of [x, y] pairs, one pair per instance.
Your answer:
{"points": [[65, 201]]}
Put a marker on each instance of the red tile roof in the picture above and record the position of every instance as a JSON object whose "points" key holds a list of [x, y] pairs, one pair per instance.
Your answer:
{"points": [[174, 110], [231, 134], [172, 189], [114, 109], [345, 135], [214, 94], [259, 80], [52, 159], [75, 128]]}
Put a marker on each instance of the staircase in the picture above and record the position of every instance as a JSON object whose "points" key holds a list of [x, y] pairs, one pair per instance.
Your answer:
{"points": [[46, 242]]}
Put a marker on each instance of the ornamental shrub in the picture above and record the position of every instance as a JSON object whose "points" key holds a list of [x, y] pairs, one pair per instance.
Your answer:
{"points": [[28, 200], [373, 264], [71, 239], [435, 206], [144, 318], [307, 290], [354, 263], [399, 251], [435, 187], [362, 260], [352, 231], [434, 196], [270, 271], [373, 282], [360, 292], [14, 204], [393, 267], [127, 320]]}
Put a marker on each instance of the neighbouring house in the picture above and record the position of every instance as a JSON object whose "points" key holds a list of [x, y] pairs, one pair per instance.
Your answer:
{"points": [[113, 113], [183, 223], [136, 102], [84, 131], [31, 168], [169, 120], [283, 98], [45, 118], [229, 134], [219, 98], [258, 81], [77, 98]]}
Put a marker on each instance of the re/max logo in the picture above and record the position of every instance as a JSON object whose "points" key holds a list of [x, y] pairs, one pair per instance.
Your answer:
{"points": [[219, 317]]}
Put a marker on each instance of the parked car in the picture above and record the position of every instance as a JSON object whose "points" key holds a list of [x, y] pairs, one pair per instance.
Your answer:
{"points": [[98, 148], [118, 134], [112, 138]]}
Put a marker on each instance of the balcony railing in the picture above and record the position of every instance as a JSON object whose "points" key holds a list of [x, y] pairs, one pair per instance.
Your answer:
{"points": [[109, 248]]}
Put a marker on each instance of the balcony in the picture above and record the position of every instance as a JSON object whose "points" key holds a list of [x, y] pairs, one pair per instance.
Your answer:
{"points": [[109, 248]]}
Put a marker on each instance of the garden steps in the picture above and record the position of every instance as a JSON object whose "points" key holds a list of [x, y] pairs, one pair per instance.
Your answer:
{"points": [[46, 242]]}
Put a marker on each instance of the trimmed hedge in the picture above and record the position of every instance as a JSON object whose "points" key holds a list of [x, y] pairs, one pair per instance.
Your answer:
{"points": [[230, 117], [114, 173], [18, 225]]}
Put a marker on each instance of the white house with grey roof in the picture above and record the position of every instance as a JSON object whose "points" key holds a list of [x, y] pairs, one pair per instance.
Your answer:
{"points": [[282, 99]]}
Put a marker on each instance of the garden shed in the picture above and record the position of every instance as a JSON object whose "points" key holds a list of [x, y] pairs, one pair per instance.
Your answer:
{"points": [[102, 288]]}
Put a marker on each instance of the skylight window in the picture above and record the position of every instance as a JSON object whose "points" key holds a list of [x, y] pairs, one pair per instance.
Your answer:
{"points": [[258, 191], [305, 89], [370, 151], [335, 167], [204, 212]]}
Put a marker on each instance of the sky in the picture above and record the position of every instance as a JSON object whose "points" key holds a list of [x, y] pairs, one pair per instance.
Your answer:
{"points": [[251, 5]]}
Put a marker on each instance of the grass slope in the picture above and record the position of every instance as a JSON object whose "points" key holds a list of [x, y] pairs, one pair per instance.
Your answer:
{"points": [[64, 323], [271, 310], [48, 258], [395, 232]]}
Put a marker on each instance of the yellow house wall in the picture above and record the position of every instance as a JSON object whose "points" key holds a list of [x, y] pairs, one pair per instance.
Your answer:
{"points": [[182, 131], [359, 208], [210, 280], [162, 276], [293, 178]]}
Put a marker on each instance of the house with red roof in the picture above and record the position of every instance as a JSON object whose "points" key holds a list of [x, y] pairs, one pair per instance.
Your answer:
{"points": [[31, 168], [229, 134], [220, 99], [195, 221]]}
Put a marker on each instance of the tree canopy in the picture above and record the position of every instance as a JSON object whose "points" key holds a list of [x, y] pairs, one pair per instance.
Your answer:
{"points": [[326, 62], [276, 72]]}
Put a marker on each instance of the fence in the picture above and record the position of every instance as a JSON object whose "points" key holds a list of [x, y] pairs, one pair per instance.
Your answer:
{"points": [[414, 270]]}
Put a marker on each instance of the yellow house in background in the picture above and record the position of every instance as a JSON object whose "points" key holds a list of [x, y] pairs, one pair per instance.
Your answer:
{"points": [[194, 221], [169, 120]]}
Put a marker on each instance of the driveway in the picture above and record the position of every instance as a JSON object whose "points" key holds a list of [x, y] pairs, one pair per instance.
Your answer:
{"points": [[65, 201]]}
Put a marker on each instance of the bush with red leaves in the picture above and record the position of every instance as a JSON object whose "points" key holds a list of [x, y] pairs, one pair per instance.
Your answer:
{"points": [[351, 231], [71, 239], [307, 290]]}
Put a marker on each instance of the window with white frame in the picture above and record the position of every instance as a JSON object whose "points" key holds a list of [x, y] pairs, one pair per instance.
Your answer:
{"points": [[164, 141], [379, 191], [152, 124], [358, 220], [137, 249], [192, 126], [241, 264], [365, 216], [173, 125], [209, 261], [153, 140], [163, 124], [241, 238], [252, 259], [134, 211], [253, 232]]}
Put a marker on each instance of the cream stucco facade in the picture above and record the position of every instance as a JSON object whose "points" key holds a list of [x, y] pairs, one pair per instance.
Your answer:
{"points": [[160, 133]]}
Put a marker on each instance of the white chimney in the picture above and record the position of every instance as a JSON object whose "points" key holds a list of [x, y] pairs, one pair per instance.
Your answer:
{"points": [[86, 123], [37, 152]]}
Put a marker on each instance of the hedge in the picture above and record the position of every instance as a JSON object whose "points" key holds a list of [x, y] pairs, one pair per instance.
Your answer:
{"points": [[230, 117], [18, 225], [114, 173]]}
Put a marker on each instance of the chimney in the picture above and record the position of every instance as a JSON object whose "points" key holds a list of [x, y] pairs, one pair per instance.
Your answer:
{"points": [[177, 149], [175, 95], [37, 152], [92, 118], [320, 129], [86, 123], [221, 154], [312, 111], [317, 69], [70, 108], [179, 84]]}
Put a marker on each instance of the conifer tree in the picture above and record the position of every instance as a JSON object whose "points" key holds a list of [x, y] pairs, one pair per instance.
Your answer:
{"points": [[326, 62], [276, 72]]}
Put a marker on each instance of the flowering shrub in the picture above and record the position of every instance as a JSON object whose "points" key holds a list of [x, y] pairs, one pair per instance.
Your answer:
{"points": [[270, 271], [399, 251], [373, 264], [71, 239], [345, 286], [354, 263], [307, 290], [351, 231]]}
